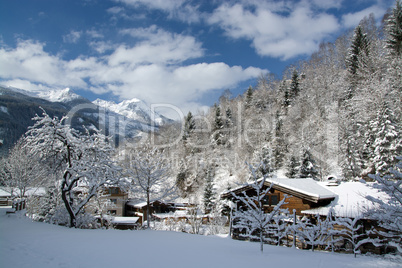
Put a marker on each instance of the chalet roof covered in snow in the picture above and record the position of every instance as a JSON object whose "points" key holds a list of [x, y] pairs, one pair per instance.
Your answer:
{"points": [[350, 199], [306, 188]]}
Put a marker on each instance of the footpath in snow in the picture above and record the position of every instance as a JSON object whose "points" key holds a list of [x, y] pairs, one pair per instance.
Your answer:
{"points": [[24, 243]]}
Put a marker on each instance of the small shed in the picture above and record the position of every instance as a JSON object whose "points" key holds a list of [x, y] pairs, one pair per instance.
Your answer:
{"points": [[5, 197], [125, 223]]}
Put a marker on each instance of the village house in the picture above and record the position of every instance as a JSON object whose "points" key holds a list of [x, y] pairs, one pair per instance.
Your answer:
{"points": [[302, 194], [117, 199], [310, 199]]}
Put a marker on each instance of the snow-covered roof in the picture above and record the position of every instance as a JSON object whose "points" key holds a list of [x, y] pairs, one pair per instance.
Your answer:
{"points": [[141, 204], [125, 220], [305, 186], [33, 191], [350, 199], [4, 193], [176, 214]]}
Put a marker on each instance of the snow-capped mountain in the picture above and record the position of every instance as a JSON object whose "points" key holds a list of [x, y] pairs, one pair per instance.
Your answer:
{"points": [[64, 95], [129, 119], [134, 109]]}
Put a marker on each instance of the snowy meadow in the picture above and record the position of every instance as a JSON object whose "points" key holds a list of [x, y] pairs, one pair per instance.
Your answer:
{"points": [[25, 243]]}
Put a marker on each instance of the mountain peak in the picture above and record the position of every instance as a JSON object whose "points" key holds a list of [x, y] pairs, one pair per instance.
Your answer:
{"points": [[64, 95]]}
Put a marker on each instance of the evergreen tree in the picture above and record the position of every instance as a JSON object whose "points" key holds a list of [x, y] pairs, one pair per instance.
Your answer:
{"points": [[293, 168], [189, 126], [249, 97], [279, 144], [218, 127], [263, 159], [286, 99], [352, 160], [209, 193], [394, 31], [294, 85], [308, 167], [388, 144], [229, 118], [181, 177], [358, 49]]}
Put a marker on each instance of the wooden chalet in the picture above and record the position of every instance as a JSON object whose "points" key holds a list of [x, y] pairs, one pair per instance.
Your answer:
{"points": [[139, 209], [312, 199], [302, 194]]}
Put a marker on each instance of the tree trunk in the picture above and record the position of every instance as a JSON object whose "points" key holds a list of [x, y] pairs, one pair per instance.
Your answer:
{"points": [[148, 209], [261, 241], [68, 207]]}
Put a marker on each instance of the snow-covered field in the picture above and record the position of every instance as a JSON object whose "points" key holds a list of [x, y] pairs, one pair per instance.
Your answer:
{"points": [[24, 243]]}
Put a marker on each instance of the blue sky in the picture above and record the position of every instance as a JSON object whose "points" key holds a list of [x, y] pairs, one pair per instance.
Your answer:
{"points": [[180, 52]]}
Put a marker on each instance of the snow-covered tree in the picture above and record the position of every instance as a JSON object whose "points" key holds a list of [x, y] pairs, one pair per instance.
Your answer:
{"points": [[294, 85], [21, 170], [251, 219], [358, 50], [44, 208], [263, 159], [394, 30], [209, 193], [313, 233], [308, 167], [293, 168], [389, 211], [249, 97], [279, 143], [388, 143], [85, 160], [189, 126], [279, 227], [151, 172], [218, 135], [195, 218], [354, 233]]}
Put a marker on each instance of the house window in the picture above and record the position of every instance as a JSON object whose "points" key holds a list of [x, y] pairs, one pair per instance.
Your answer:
{"points": [[114, 201], [274, 200], [113, 190], [271, 200], [112, 212]]}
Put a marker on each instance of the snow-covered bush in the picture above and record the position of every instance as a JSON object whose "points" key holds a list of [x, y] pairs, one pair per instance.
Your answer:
{"points": [[313, 233], [389, 212]]}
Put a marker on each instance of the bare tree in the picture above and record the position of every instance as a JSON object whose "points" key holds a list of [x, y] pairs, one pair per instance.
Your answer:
{"points": [[151, 172]]}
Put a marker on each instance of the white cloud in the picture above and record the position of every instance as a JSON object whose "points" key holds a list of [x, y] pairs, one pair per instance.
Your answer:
{"points": [[25, 84], [276, 34], [183, 10], [159, 47], [29, 61], [102, 46], [158, 75], [72, 37], [351, 20]]}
